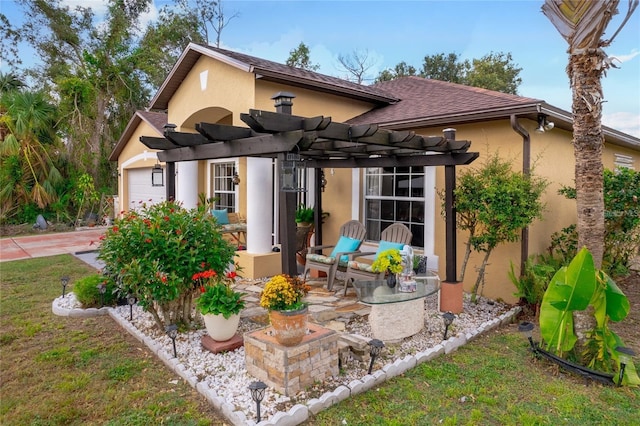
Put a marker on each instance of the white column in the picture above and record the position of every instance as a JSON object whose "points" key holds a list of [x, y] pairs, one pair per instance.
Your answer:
{"points": [[259, 205], [187, 184], [430, 200]]}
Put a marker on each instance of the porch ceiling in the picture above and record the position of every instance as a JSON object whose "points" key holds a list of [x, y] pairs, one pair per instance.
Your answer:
{"points": [[319, 141]]}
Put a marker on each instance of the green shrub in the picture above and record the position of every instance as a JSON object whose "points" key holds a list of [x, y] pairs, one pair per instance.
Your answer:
{"points": [[87, 293], [532, 283], [621, 221], [153, 254]]}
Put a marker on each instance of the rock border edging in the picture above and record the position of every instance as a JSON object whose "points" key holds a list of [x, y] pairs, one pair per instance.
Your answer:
{"points": [[298, 413]]}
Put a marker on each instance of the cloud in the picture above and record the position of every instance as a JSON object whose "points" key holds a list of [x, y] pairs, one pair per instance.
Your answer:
{"points": [[627, 57], [623, 121]]}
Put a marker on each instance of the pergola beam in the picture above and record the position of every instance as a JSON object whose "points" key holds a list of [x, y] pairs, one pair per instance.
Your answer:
{"points": [[265, 145], [447, 159]]}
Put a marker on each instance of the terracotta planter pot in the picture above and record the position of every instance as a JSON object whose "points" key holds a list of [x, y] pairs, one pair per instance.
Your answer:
{"points": [[219, 328], [289, 327]]}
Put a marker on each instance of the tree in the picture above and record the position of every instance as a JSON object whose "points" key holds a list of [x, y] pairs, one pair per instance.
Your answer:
{"points": [[90, 69], [356, 63], [494, 71], [9, 82], [402, 69], [299, 57], [445, 68], [28, 173], [221, 21], [494, 203], [582, 25], [164, 41]]}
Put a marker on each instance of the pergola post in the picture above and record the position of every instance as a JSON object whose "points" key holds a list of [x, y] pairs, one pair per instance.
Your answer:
{"points": [[287, 201], [317, 203], [451, 294], [171, 180]]}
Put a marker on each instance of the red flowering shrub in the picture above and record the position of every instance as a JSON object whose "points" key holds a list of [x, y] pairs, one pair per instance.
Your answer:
{"points": [[153, 253]]}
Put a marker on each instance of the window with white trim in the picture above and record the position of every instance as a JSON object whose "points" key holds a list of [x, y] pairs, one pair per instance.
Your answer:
{"points": [[222, 185], [394, 194]]}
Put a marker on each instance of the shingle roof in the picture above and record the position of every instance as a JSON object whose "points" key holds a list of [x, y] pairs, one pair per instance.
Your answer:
{"points": [[156, 120], [267, 70], [423, 99]]}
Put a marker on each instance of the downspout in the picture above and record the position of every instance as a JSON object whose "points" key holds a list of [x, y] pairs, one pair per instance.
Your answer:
{"points": [[526, 169]]}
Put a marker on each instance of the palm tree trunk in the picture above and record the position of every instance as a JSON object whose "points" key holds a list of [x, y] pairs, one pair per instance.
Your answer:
{"points": [[588, 141]]}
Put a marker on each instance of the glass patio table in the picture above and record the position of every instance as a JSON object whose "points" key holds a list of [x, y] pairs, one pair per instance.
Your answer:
{"points": [[396, 314]]}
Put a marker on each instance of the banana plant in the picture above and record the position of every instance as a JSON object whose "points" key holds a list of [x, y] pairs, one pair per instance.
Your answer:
{"points": [[570, 289], [574, 288]]}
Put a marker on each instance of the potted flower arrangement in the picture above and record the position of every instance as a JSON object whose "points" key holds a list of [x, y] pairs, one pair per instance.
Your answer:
{"points": [[389, 261], [219, 304], [283, 297]]}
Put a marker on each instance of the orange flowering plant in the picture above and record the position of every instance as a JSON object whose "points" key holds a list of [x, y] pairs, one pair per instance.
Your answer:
{"points": [[152, 253], [217, 295], [284, 293]]}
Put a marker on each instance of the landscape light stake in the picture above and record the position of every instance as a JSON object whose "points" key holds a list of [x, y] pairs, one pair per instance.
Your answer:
{"points": [[102, 288], [448, 318], [625, 355], [376, 347], [526, 328], [172, 332], [257, 394], [131, 299], [64, 281]]}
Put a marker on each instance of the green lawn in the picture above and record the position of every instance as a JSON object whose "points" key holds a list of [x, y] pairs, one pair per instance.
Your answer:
{"points": [[70, 371]]}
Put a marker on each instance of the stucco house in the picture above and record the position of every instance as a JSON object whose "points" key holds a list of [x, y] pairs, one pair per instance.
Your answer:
{"points": [[212, 85]]}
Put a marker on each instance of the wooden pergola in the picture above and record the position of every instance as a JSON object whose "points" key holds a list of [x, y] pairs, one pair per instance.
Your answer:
{"points": [[321, 143]]}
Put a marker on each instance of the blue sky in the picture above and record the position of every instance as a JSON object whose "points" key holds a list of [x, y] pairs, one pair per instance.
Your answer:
{"points": [[395, 31]]}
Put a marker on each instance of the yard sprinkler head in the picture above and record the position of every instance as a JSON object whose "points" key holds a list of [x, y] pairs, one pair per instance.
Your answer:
{"points": [[64, 281], [257, 394], [376, 347], [625, 354], [526, 328], [448, 318], [131, 300], [172, 332]]}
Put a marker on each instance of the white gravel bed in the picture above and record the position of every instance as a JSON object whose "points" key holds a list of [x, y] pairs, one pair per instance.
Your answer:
{"points": [[225, 373]]}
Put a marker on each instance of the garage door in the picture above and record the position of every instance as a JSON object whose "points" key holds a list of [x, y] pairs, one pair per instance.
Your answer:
{"points": [[141, 191]]}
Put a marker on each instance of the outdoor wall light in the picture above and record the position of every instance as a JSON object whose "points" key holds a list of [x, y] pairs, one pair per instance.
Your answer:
{"points": [[625, 354], [131, 300], [102, 289], [157, 175], [323, 180], [526, 328], [543, 124], [64, 281], [257, 394], [235, 179], [448, 318], [289, 173], [283, 101], [172, 332], [376, 347]]}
